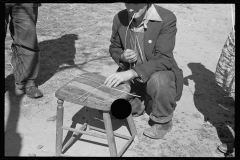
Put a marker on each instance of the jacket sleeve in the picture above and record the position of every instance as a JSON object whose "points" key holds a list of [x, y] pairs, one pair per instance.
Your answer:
{"points": [[163, 49], [116, 48]]}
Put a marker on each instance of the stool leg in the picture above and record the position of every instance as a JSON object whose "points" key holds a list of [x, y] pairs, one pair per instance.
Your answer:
{"points": [[109, 132], [59, 130], [88, 118], [132, 128]]}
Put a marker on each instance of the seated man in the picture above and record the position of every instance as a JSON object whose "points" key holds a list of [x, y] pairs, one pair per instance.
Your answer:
{"points": [[142, 43]]}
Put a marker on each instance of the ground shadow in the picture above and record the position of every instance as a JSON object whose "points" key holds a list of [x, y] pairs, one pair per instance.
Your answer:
{"points": [[54, 53], [13, 140], [210, 99], [95, 119], [59, 54]]}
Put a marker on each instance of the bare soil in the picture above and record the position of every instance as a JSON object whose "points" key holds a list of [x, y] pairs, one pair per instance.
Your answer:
{"points": [[74, 38]]}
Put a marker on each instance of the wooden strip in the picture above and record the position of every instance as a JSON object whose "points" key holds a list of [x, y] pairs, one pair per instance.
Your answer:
{"points": [[115, 134], [84, 132], [89, 88], [93, 75], [95, 78], [122, 95], [80, 99], [125, 146], [113, 91], [90, 102], [75, 91], [97, 95], [89, 93]]}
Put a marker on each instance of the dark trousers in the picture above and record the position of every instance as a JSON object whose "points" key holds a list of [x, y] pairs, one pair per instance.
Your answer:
{"points": [[22, 26], [161, 89]]}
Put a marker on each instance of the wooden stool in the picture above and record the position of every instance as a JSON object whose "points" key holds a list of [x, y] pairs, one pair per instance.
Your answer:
{"points": [[70, 92]]}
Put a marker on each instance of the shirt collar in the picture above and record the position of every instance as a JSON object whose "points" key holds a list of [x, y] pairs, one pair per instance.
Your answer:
{"points": [[152, 15]]}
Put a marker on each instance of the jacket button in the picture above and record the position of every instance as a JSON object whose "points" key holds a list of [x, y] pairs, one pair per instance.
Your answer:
{"points": [[149, 41]]}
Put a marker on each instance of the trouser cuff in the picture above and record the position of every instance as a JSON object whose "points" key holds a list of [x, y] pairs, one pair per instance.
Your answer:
{"points": [[24, 84], [161, 119]]}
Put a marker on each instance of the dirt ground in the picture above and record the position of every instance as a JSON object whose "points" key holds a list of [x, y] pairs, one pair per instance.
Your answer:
{"points": [[74, 38]]}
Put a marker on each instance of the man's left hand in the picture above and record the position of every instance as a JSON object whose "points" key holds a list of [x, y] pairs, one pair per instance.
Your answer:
{"points": [[119, 77]]}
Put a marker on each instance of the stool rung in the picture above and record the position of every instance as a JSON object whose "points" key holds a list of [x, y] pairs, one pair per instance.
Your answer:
{"points": [[126, 146], [69, 142], [84, 132], [115, 134]]}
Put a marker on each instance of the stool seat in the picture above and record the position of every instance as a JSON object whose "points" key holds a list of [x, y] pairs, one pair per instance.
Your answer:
{"points": [[89, 91], [100, 98]]}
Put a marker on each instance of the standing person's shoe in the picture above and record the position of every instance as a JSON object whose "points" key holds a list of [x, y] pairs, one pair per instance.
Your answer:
{"points": [[30, 89], [158, 130], [223, 148], [226, 148], [33, 92]]}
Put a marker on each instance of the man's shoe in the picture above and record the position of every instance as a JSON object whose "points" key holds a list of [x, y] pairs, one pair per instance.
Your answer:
{"points": [[158, 131], [33, 92]]}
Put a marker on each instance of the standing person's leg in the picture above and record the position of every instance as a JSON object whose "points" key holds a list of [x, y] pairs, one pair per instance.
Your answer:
{"points": [[25, 59], [7, 13], [162, 90]]}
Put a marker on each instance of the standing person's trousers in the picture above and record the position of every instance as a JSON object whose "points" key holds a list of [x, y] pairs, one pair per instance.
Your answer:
{"points": [[161, 88], [22, 26]]}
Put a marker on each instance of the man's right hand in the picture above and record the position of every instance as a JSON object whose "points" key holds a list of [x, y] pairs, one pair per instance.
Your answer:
{"points": [[129, 56]]}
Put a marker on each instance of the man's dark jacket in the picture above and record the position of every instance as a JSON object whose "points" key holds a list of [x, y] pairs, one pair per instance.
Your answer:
{"points": [[159, 42]]}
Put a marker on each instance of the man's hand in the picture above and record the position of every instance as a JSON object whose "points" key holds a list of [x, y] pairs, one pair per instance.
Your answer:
{"points": [[129, 56], [119, 77]]}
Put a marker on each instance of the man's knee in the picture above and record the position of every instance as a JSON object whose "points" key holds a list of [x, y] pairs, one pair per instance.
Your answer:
{"points": [[161, 79]]}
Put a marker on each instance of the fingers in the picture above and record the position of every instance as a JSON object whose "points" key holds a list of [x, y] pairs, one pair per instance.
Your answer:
{"points": [[134, 59], [113, 80], [130, 56], [113, 83], [108, 79], [129, 50], [117, 83], [128, 53]]}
